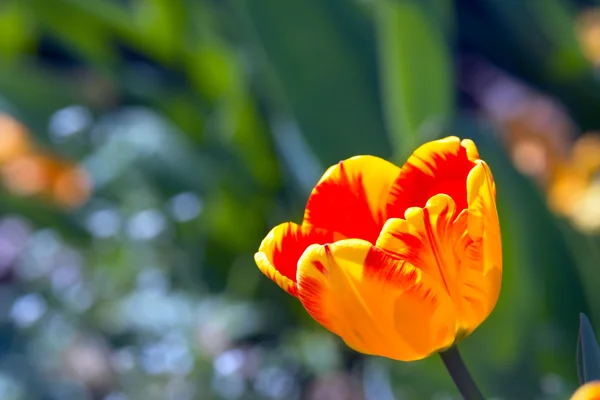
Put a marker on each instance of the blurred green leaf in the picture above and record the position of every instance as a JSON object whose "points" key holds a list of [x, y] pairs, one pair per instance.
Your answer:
{"points": [[323, 77], [548, 29], [82, 32], [415, 72], [35, 93], [441, 13], [584, 247], [588, 352], [17, 34], [160, 26]]}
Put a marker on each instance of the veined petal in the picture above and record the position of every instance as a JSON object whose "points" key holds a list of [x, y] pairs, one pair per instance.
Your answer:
{"points": [[435, 239], [440, 166], [377, 304], [350, 198], [280, 250]]}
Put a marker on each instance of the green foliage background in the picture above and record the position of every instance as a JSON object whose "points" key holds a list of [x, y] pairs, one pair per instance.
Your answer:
{"points": [[205, 123]]}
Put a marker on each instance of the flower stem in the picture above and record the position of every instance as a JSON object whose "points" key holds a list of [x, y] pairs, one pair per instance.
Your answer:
{"points": [[460, 374]]}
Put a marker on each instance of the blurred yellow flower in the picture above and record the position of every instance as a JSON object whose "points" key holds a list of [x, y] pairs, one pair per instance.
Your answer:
{"points": [[588, 33], [589, 391], [399, 262], [574, 189]]}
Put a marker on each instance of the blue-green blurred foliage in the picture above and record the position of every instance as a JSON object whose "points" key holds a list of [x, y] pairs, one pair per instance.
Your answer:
{"points": [[203, 123]]}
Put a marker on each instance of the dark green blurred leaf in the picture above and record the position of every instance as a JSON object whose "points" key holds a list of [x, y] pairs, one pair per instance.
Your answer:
{"points": [[415, 72], [323, 77], [82, 32], [36, 93], [441, 13], [588, 352]]}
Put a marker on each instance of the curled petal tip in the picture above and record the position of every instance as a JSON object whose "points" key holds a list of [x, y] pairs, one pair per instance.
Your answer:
{"points": [[280, 250], [266, 267], [472, 152]]}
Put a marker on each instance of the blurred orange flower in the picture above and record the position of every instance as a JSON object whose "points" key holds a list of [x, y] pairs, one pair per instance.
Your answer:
{"points": [[27, 171], [574, 188], [71, 187], [589, 391], [399, 262], [29, 174], [14, 140]]}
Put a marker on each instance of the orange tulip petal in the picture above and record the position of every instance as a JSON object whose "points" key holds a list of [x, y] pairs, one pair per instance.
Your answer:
{"points": [[589, 391], [278, 254], [441, 166], [377, 304], [436, 240], [350, 198]]}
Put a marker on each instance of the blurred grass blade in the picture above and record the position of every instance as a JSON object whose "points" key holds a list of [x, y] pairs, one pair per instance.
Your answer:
{"points": [[588, 352], [415, 72]]}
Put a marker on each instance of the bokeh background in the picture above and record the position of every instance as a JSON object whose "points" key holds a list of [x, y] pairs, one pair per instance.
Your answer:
{"points": [[147, 146]]}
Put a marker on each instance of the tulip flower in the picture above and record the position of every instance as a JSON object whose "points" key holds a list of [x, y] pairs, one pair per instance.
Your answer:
{"points": [[399, 262], [589, 391]]}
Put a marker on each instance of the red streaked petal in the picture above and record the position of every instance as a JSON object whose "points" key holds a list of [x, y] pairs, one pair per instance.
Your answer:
{"points": [[426, 239], [437, 167], [436, 240], [377, 304], [351, 197], [281, 249]]}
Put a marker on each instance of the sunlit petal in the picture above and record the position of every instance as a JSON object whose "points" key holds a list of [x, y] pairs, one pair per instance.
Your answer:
{"points": [[483, 216], [379, 305], [351, 197], [589, 391]]}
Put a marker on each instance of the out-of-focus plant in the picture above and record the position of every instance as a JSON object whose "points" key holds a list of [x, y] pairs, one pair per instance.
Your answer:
{"points": [[202, 124]]}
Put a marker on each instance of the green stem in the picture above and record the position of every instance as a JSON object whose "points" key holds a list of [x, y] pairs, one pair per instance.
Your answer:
{"points": [[460, 374]]}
